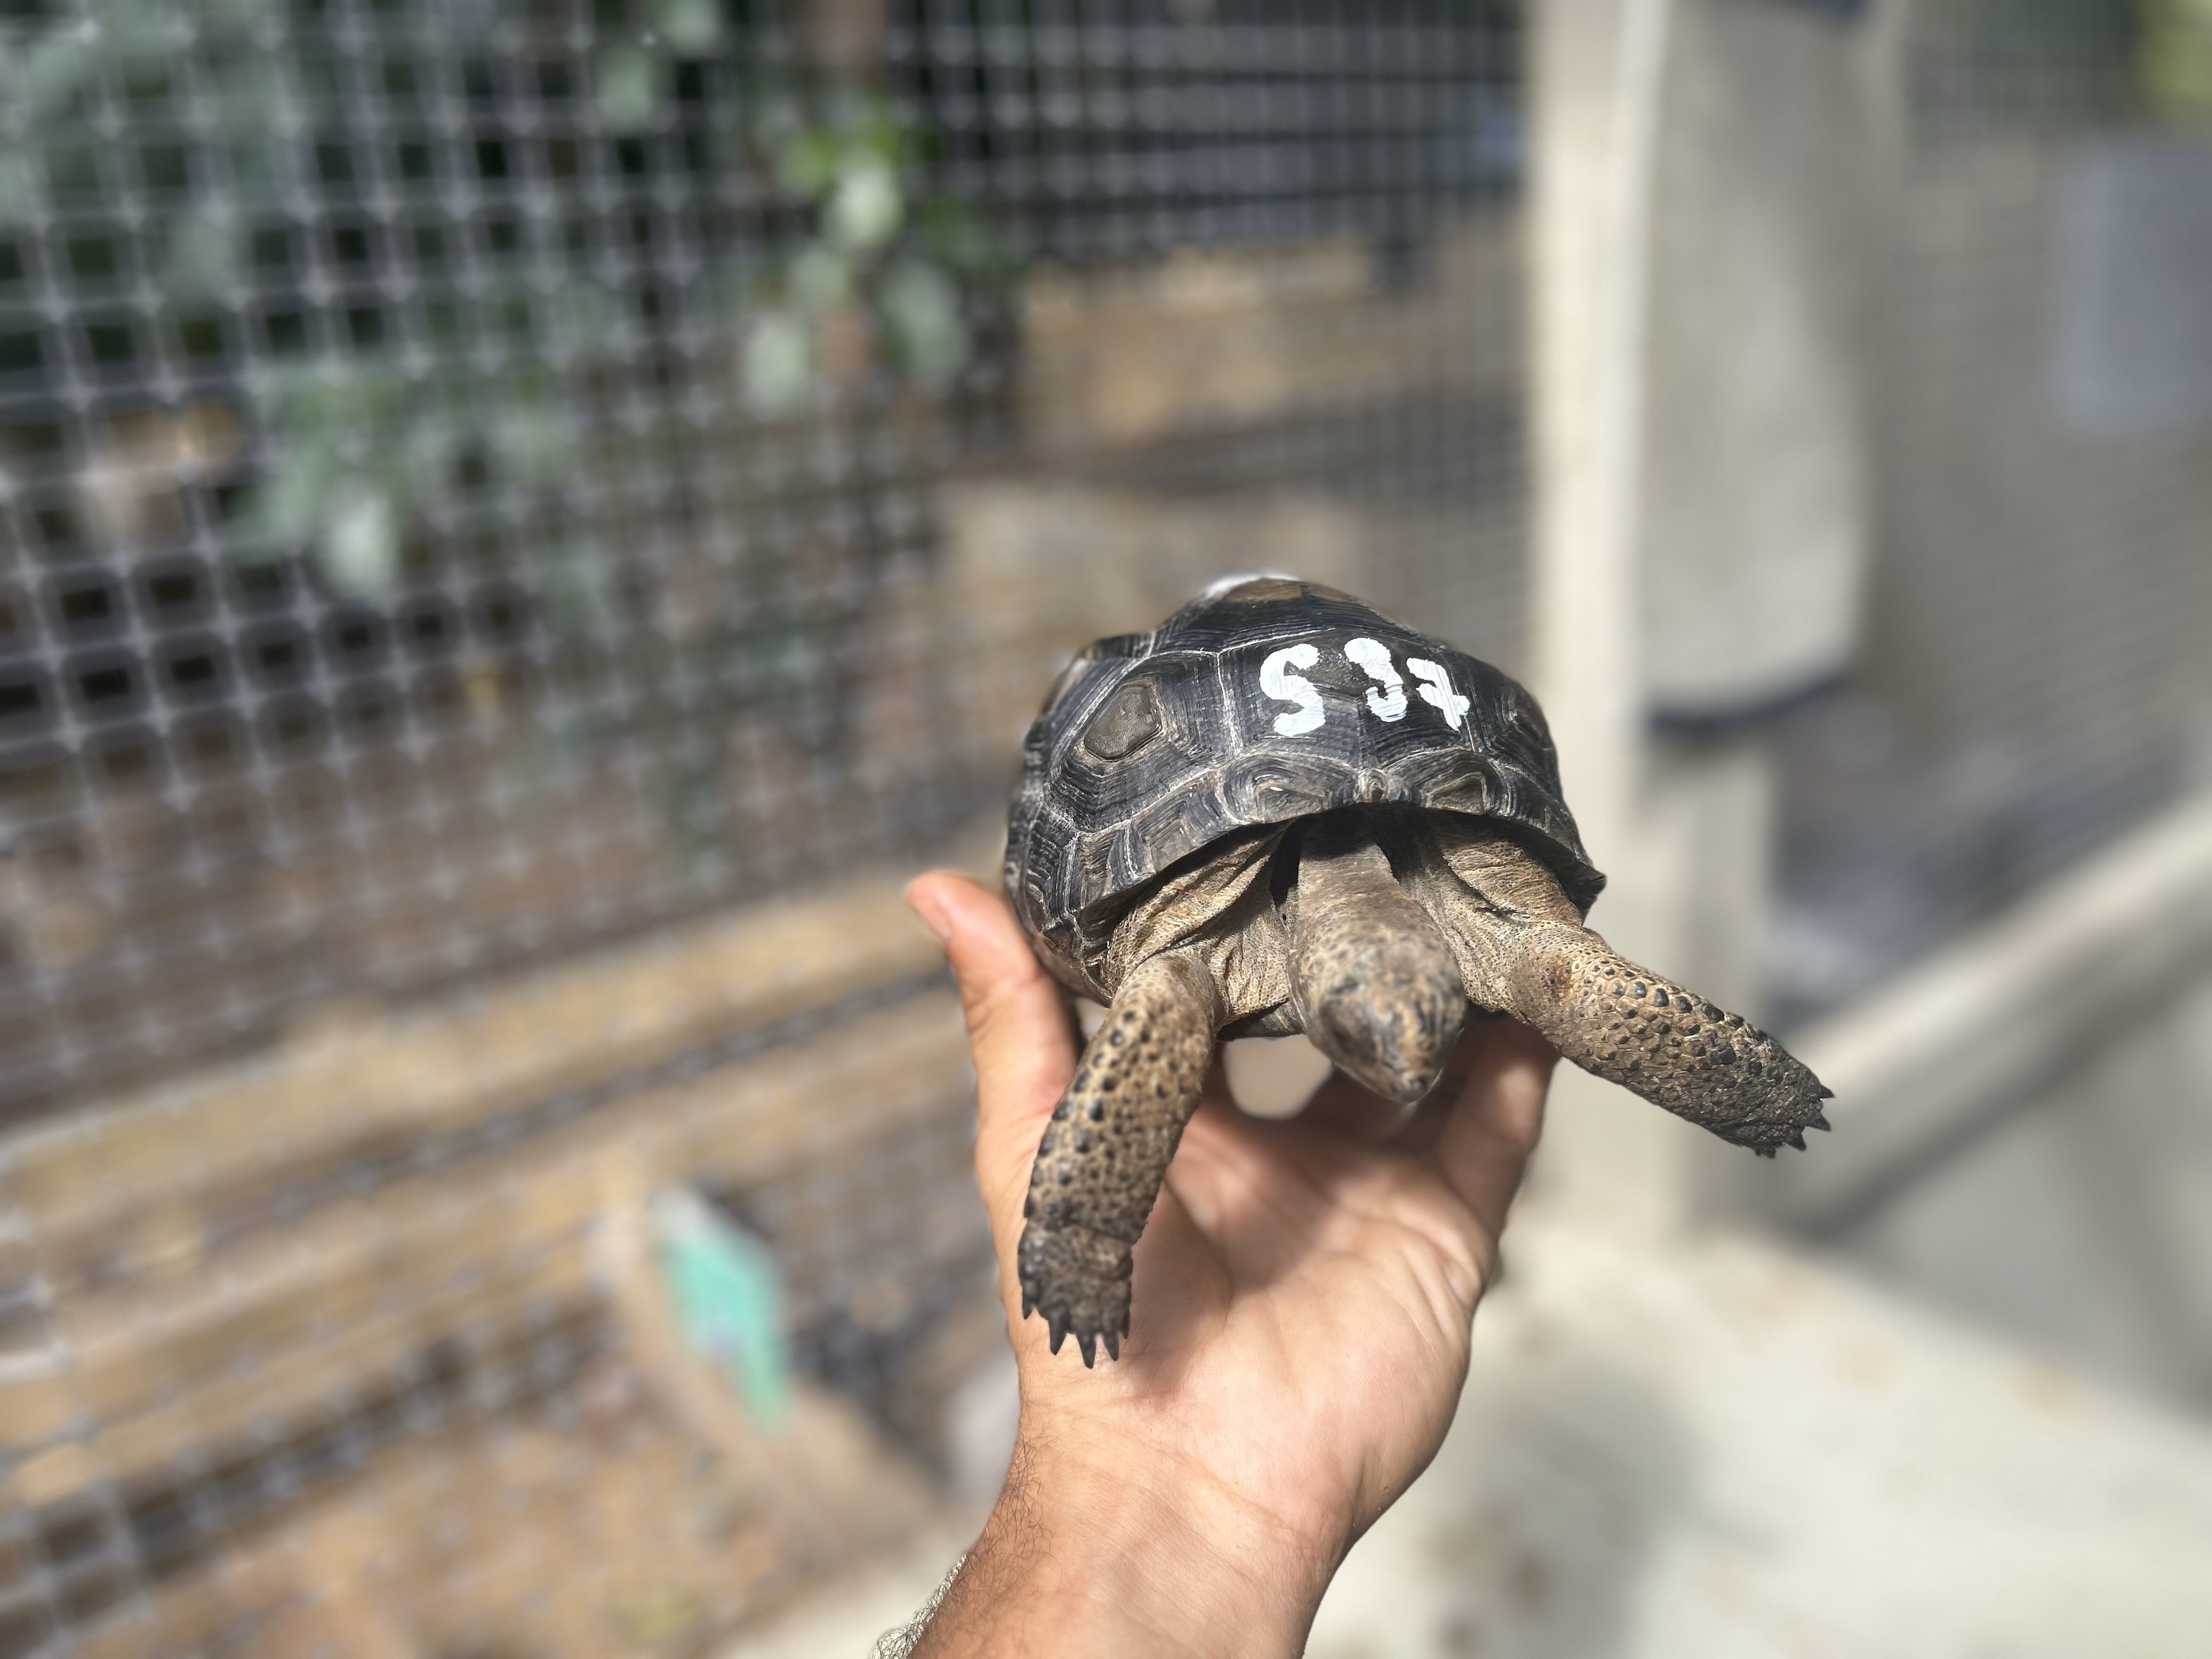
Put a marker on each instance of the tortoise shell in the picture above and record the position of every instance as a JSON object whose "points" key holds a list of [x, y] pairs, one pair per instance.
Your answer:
{"points": [[1263, 701]]}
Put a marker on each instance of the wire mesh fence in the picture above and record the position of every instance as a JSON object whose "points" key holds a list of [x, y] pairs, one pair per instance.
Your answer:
{"points": [[2033, 679], [518, 520], [471, 476]]}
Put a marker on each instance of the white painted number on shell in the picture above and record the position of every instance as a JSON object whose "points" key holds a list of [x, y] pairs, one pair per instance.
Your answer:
{"points": [[1279, 683], [1437, 691], [1385, 698], [1390, 702]]}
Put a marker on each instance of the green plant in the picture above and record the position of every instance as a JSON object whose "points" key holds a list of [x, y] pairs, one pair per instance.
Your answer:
{"points": [[256, 104], [2067, 64], [864, 277], [869, 249], [2177, 59], [365, 440]]}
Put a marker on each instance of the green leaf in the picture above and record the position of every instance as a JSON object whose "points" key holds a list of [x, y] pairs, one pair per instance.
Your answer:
{"points": [[579, 316], [818, 279], [776, 118], [359, 552], [874, 131], [535, 443], [962, 241], [778, 369], [920, 308], [251, 94], [578, 582], [443, 323], [201, 258], [692, 27], [627, 82], [54, 70], [19, 185], [236, 14], [864, 211], [2176, 58], [287, 505], [139, 32], [807, 162]]}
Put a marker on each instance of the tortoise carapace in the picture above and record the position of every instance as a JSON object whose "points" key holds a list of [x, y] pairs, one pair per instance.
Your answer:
{"points": [[1281, 812]]}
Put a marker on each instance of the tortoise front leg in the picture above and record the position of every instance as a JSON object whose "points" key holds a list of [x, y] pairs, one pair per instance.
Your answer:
{"points": [[1523, 950], [1105, 1152], [1630, 1026]]}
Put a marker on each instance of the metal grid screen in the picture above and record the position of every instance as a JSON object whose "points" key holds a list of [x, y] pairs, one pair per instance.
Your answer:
{"points": [[2034, 678], [517, 520]]}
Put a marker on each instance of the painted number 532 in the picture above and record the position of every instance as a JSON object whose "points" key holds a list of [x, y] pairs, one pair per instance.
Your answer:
{"points": [[1385, 698]]}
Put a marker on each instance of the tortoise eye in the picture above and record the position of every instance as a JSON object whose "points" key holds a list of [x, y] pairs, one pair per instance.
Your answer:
{"points": [[1130, 720]]}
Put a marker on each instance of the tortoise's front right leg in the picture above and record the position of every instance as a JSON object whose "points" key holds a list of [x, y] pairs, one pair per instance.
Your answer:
{"points": [[1105, 1152]]}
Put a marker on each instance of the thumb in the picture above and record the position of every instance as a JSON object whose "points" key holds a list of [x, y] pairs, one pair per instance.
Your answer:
{"points": [[1018, 1032]]}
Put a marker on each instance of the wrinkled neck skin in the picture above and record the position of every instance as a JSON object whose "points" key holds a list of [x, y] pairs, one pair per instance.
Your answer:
{"points": [[1223, 915], [1496, 904]]}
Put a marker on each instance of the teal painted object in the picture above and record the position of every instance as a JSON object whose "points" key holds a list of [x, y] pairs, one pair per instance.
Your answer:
{"points": [[728, 1297]]}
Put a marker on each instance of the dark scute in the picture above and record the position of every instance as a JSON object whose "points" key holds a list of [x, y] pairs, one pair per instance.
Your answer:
{"points": [[1116, 648], [1130, 720]]}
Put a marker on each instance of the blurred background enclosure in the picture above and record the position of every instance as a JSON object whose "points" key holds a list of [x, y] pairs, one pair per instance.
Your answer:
{"points": [[521, 521]]}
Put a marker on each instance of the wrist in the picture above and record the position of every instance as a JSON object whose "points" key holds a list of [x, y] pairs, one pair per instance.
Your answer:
{"points": [[1112, 1550]]}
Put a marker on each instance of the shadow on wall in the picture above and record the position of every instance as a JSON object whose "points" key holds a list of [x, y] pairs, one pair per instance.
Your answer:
{"points": [[1530, 1534]]}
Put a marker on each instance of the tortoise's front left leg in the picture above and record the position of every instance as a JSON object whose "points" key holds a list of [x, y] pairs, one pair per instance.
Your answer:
{"points": [[1103, 1157], [1630, 1026], [1524, 951]]}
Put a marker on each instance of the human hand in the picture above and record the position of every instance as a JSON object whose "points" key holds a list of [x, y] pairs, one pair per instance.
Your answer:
{"points": [[1303, 1301]]}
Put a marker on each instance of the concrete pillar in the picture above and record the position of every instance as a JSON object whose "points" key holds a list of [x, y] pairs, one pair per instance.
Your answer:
{"points": [[1708, 208], [1596, 87]]}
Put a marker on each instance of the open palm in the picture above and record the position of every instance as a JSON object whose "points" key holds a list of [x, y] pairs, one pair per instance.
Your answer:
{"points": [[1302, 1296]]}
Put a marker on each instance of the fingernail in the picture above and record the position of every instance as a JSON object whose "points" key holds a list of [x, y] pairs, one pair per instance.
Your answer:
{"points": [[932, 918]]}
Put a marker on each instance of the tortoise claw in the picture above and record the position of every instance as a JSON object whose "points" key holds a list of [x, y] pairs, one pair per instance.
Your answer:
{"points": [[1079, 1280], [1819, 1121], [1827, 1093]]}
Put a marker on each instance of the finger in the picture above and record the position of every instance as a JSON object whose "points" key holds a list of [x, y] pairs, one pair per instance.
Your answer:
{"points": [[1018, 1033], [1485, 1146], [1218, 1127], [1427, 1129], [1343, 1106], [1227, 1167]]}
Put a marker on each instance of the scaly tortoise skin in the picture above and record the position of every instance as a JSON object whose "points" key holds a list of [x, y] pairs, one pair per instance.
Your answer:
{"points": [[1281, 812]]}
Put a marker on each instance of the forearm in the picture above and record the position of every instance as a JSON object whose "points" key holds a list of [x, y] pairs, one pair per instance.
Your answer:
{"points": [[1079, 1559]]}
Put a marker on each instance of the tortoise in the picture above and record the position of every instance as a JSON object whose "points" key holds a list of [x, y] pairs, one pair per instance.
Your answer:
{"points": [[1281, 812]]}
